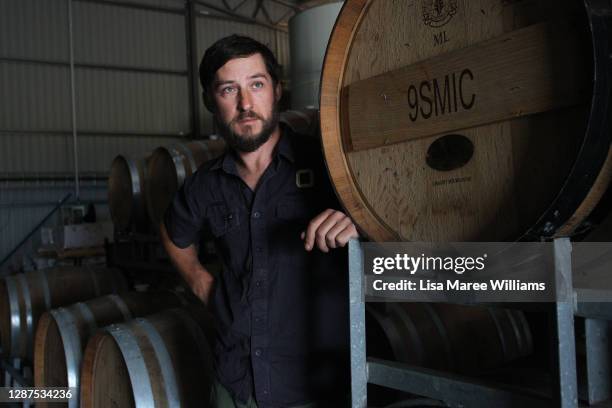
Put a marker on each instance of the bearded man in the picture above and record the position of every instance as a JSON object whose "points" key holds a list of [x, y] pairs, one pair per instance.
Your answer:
{"points": [[281, 300]]}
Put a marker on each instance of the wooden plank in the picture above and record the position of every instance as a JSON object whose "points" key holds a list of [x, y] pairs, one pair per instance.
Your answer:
{"points": [[527, 71]]}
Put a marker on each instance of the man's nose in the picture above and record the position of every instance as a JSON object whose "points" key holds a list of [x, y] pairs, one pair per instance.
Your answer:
{"points": [[245, 102]]}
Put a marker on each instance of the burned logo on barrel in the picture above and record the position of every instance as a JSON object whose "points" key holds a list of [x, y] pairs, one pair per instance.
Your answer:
{"points": [[437, 13]]}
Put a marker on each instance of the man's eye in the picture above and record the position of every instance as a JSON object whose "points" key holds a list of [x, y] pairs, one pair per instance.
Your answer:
{"points": [[258, 85], [228, 90]]}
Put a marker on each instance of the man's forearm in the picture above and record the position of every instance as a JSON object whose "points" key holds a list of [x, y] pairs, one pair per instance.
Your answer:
{"points": [[187, 263], [197, 277]]}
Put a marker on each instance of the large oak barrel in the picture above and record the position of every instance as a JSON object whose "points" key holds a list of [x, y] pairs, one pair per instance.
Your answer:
{"points": [[62, 333], [25, 297], [170, 166], [161, 361], [468, 120], [304, 122], [464, 339], [126, 193]]}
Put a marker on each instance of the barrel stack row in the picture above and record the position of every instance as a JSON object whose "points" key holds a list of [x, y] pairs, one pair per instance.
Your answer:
{"points": [[82, 328], [25, 297], [141, 188], [121, 348], [129, 350]]}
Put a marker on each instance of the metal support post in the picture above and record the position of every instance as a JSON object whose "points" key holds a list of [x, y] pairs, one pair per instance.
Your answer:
{"points": [[359, 374], [192, 67], [567, 392], [598, 360], [77, 194]]}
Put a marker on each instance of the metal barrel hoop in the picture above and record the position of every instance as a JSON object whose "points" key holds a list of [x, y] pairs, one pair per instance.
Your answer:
{"points": [[45, 288], [408, 323], [188, 154], [165, 362], [73, 349], [433, 313], [11, 286], [135, 181], [500, 330], [176, 155], [122, 306], [29, 320], [134, 360]]}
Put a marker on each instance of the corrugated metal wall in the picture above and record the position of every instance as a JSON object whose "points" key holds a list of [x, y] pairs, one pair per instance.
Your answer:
{"points": [[34, 28], [131, 87]]}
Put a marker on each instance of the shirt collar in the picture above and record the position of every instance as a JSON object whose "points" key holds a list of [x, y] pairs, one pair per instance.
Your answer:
{"points": [[284, 148]]}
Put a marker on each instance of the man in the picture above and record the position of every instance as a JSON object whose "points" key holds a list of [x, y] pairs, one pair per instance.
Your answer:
{"points": [[280, 302]]}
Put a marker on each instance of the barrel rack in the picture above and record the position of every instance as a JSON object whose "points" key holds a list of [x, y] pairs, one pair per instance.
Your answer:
{"points": [[459, 391], [17, 373]]}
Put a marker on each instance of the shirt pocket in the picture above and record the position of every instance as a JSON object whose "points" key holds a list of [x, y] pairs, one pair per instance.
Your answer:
{"points": [[222, 219]]}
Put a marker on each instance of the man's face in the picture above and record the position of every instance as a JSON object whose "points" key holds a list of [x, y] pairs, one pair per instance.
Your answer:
{"points": [[246, 102]]}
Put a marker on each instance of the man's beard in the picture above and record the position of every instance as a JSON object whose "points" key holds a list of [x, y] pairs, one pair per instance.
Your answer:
{"points": [[247, 144]]}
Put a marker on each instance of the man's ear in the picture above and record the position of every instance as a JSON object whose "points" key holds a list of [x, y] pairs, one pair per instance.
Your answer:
{"points": [[278, 91], [208, 101]]}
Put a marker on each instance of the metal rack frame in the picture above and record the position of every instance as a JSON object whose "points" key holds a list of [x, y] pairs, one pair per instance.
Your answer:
{"points": [[459, 391], [17, 373]]}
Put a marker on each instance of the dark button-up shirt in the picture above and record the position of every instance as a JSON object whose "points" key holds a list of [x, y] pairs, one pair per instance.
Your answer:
{"points": [[282, 312]]}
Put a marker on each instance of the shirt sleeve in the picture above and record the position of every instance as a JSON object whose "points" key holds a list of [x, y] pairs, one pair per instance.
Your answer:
{"points": [[183, 218]]}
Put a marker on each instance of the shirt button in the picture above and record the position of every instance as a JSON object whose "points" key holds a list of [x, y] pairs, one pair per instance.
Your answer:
{"points": [[265, 392], [258, 284], [256, 214], [258, 352], [258, 320]]}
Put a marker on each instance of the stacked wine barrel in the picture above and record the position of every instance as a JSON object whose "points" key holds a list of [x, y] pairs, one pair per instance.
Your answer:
{"points": [[25, 297], [457, 338], [128, 337], [161, 360], [468, 120], [168, 169], [140, 189], [126, 193]]}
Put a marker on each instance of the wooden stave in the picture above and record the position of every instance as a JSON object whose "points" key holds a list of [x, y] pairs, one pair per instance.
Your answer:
{"points": [[431, 341], [581, 191], [76, 323], [30, 294], [186, 158], [333, 150], [131, 171], [143, 390]]}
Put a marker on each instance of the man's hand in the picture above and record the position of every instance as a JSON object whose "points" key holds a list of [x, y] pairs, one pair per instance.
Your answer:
{"points": [[200, 283], [330, 229]]}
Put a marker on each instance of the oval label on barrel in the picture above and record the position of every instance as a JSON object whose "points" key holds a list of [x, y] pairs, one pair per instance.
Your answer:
{"points": [[450, 152]]}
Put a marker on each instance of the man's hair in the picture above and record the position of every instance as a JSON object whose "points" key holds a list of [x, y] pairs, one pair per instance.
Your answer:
{"points": [[228, 48]]}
